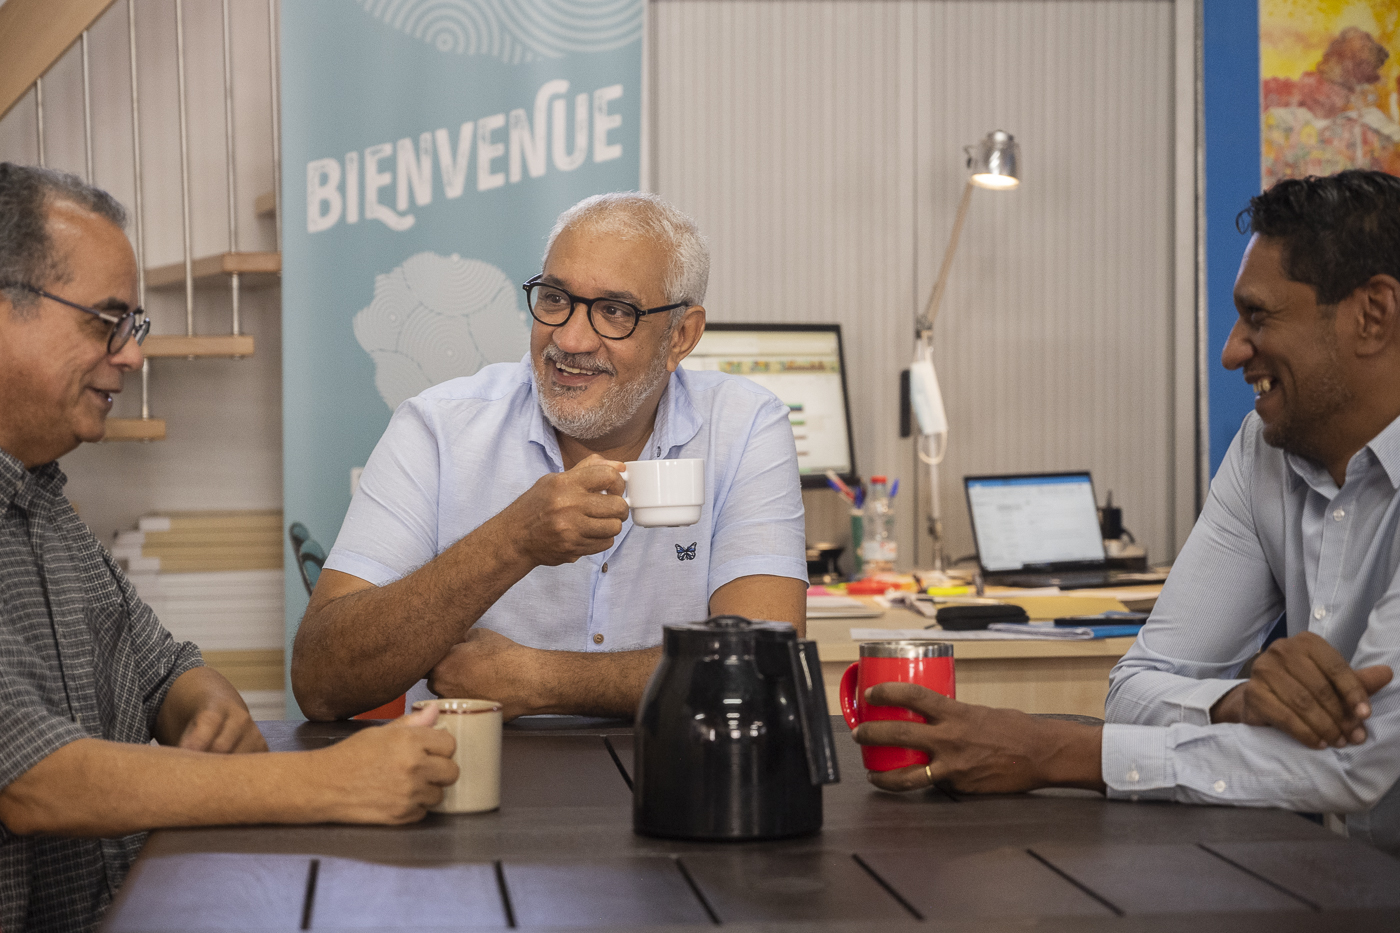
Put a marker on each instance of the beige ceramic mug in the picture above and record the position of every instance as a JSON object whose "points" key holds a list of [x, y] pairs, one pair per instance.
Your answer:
{"points": [[476, 725]]}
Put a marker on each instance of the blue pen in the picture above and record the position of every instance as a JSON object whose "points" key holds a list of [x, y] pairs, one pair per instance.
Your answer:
{"points": [[860, 497], [894, 488]]}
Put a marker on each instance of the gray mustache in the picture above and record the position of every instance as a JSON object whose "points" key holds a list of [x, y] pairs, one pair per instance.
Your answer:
{"points": [[590, 362]]}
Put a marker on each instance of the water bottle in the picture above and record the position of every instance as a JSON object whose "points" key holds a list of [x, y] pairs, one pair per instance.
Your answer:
{"points": [[879, 549]]}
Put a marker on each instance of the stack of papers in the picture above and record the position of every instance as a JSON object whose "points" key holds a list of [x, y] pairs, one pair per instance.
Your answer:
{"points": [[216, 579], [232, 610], [196, 542]]}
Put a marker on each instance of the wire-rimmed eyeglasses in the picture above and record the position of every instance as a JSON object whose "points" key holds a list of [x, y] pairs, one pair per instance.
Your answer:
{"points": [[609, 317], [124, 326]]}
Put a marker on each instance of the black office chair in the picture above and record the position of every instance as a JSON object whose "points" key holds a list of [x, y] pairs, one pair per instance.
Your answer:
{"points": [[311, 557]]}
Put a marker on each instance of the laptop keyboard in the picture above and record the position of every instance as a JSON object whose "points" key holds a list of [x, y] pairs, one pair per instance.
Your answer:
{"points": [[1068, 580]]}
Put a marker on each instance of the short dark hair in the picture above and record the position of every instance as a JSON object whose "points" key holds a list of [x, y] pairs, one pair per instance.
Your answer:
{"points": [[1337, 231], [27, 253]]}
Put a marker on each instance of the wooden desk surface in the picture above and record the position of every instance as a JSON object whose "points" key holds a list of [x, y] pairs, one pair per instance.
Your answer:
{"points": [[834, 642], [833, 636], [561, 853]]}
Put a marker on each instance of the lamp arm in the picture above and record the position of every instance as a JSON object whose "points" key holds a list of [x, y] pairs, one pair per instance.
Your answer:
{"points": [[925, 322]]}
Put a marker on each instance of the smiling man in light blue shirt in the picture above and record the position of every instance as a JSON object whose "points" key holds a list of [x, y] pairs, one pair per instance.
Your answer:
{"points": [[488, 548], [1303, 521]]}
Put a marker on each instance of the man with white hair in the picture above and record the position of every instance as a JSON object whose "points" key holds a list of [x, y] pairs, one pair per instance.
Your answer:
{"points": [[488, 548]]}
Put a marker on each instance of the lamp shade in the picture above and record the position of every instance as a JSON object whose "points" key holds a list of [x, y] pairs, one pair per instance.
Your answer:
{"points": [[994, 161]]}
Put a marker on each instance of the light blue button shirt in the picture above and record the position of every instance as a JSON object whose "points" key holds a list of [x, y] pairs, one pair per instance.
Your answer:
{"points": [[462, 451], [1276, 536]]}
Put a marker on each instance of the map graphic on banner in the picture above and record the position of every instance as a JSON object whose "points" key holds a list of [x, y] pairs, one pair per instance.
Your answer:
{"points": [[427, 148]]}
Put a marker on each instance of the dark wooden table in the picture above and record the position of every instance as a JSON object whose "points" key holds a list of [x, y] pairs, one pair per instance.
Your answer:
{"points": [[560, 853]]}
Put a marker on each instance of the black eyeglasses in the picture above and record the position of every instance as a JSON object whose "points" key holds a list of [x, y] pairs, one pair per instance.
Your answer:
{"points": [[609, 317], [124, 326]]}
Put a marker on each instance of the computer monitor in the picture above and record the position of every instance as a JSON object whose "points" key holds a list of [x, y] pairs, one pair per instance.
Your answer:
{"points": [[804, 366]]}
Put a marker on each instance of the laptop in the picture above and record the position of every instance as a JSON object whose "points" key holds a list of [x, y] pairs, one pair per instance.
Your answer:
{"points": [[1041, 529]]}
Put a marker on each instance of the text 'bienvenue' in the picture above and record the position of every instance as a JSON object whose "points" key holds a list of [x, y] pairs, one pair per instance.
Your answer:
{"points": [[333, 186]]}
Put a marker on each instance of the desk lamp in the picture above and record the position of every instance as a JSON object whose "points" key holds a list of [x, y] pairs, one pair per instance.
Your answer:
{"points": [[992, 163]]}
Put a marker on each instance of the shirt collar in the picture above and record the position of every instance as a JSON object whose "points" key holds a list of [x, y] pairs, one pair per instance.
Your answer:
{"points": [[540, 431], [677, 421], [27, 488], [1383, 449], [1385, 446]]}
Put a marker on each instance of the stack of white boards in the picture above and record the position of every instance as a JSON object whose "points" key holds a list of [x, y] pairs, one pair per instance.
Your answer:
{"points": [[215, 578]]}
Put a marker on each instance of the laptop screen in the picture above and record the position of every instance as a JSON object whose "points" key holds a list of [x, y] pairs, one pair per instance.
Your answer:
{"points": [[1022, 521]]}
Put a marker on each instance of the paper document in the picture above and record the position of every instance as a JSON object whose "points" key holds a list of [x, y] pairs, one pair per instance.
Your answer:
{"points": [[937, 634], [840, 607], [1056, 632]]}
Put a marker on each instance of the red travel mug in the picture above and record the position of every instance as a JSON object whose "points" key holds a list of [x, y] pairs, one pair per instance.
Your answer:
{"points": [[926, 663]]}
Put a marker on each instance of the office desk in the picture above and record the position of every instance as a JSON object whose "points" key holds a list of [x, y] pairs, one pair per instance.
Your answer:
{"points": [[1033, 676], [561, 853]]}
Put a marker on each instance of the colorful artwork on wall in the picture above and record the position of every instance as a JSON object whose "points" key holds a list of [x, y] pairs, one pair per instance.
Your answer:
{"points": [[1330, 86]]}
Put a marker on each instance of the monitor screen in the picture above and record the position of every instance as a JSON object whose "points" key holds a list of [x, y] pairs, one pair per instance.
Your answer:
{"points": [[1022, 521], [802, 364]]}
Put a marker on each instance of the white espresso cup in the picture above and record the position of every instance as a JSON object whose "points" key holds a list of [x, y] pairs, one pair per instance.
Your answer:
{"points": [[664, 493], [476, 725]]}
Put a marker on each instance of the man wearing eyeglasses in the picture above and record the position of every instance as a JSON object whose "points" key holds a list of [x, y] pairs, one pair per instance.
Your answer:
{"points": [[488, 548], [88, 677]]}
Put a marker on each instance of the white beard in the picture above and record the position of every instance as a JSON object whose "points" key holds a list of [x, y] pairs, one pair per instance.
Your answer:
{"points": [[617, 406]]}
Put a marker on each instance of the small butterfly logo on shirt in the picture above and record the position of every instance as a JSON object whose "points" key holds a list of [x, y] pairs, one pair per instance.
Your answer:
{"points": [[686, 553]]}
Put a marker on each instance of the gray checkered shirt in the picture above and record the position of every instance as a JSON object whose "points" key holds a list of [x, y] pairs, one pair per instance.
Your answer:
{"points": [[80, 655]]}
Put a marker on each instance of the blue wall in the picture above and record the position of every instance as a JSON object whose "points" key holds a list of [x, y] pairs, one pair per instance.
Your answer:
{"points": [[1231, 67]]}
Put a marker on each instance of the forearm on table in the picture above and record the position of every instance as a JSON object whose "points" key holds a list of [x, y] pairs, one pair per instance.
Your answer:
{"points": [[595, 684], [361, 649], [93, 787], [1071, 755], [197, 689]]}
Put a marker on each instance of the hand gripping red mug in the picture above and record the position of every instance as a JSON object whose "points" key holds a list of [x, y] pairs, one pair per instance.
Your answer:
{"points": [[926, 663]]}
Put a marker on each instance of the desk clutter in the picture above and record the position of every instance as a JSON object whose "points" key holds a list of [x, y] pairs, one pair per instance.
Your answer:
{"points": [[216, 578]]}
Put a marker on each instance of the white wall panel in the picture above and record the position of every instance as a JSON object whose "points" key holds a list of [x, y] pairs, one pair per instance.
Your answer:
{"points": [[785, 129], [819, 144]]}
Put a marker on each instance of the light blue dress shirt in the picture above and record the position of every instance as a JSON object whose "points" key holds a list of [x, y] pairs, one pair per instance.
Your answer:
{"points": [[1276, 536], [462, 451]]}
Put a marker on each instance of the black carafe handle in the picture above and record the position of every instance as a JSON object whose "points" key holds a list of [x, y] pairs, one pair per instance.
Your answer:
{"points": [[811, 708]]}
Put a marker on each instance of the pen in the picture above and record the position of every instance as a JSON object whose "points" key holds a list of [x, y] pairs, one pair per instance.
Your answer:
{"points": [[845, 493], [894, 488], [835, 483]]}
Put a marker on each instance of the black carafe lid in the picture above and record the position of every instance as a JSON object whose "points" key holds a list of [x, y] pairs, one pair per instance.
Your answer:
{"points": [[727, 635]]}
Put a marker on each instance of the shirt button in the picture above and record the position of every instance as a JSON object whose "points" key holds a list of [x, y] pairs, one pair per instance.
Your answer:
{"points": [[1319, 612], [605, 566], [1133, 776], [1339, 515], [1219, 787], [598, 639]]}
